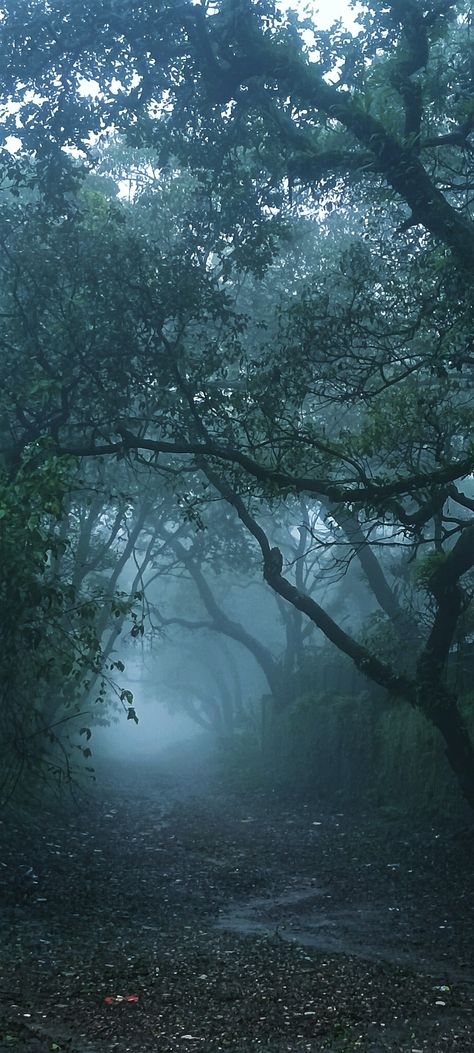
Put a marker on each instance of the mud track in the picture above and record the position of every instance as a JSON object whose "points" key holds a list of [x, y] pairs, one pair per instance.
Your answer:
{"points": [[237, 922]]}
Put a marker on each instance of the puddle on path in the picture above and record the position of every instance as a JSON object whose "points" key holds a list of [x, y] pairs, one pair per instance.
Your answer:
{"points": [[372, 931]]}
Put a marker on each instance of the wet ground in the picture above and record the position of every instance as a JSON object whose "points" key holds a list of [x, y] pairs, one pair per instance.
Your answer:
{"points": [[243, 922]]}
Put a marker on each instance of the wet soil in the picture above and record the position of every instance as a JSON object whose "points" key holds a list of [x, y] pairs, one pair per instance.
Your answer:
{"points": [[243, 922]]}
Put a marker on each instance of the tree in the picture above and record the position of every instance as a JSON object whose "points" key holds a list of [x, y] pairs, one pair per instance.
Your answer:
{"points": [[356, 399]]}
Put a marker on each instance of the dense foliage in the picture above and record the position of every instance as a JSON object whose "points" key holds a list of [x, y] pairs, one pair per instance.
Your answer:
{"points": [[49, 644]]}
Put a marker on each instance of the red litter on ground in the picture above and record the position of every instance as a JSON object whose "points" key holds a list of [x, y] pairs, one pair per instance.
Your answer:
{"points": [[115, 999]]}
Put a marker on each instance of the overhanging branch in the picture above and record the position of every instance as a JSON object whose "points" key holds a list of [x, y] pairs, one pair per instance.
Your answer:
{"points": [[365, 490]]}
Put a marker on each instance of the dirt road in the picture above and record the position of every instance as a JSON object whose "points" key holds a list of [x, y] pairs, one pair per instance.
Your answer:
{"points": [[231, 922]]}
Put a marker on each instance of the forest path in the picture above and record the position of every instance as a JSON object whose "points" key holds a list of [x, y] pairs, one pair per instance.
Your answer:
{"points": [[242, 922]]}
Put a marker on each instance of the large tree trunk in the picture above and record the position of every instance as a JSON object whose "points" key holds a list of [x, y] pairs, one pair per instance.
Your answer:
{"points": [[444, 713], [438, 703]]}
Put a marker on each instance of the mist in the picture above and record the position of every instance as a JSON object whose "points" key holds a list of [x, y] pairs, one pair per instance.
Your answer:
{"points": [[158, 729]]}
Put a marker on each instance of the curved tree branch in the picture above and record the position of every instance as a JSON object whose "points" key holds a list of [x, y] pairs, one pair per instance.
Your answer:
{"points": [[367, 663]]}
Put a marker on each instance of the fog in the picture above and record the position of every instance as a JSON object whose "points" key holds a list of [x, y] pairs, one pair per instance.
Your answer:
{"points": [[158, 729]]}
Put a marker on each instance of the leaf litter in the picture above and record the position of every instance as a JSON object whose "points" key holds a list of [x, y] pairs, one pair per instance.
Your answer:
{"points": [[120, 943]]}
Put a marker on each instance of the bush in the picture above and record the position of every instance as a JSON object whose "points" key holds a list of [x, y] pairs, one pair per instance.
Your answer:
{"points": [[364, 750]]}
